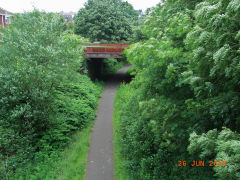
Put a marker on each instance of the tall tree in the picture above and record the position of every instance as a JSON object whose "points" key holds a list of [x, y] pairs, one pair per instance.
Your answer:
{"points": [[109, 20]]}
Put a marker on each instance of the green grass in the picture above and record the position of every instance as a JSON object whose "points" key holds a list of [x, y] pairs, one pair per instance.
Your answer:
{"points": [[72, 164], [120, 172]]}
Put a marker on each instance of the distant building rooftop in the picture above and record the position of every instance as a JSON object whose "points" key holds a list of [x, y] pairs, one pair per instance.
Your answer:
{"points": [[5, 17], [68, 16], [5, 12]]}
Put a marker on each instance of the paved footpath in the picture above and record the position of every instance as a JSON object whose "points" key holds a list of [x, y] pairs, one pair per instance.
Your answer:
{"points": [[100, 163]]}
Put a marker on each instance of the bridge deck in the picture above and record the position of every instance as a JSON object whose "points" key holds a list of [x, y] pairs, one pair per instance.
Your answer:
{"points": [[104, 50]]}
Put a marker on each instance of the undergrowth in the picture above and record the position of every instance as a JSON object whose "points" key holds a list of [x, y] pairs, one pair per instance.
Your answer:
{"points": [[44, 101]]}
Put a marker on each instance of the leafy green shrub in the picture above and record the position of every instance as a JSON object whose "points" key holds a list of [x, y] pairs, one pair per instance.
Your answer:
{"points": [[213, 63], [187, 77], [76, 102], [42, 97], [218, 146]]}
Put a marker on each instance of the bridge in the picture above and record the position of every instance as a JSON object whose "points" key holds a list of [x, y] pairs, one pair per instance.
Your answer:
{"points": [[102, 51], [96, 53]]}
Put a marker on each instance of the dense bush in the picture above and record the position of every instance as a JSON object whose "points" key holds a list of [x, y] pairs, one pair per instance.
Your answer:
{"points": [[42, 97], [107, 20], [223, 146], [187, 78]]}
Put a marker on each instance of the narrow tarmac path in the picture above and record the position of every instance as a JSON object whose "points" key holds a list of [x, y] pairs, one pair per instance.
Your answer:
{"points": [[100, 163]]}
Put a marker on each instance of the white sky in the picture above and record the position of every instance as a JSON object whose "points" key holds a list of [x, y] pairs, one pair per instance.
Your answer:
{"points": [[62, 5]]}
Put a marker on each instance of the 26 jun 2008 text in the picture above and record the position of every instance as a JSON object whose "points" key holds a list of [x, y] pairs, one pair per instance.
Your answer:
{"points": [[201, 163]]}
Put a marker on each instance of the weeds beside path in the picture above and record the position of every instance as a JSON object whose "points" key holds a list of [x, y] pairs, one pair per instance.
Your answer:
{"points": [[120, 172]]}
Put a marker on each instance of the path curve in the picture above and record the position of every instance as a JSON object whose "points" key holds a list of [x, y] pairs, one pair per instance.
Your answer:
{"points": [[100, 163]]}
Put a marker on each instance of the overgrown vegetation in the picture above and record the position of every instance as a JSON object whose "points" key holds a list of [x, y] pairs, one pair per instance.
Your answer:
{"points": [[70, 163], [43, 99], [120, 169], [112, 65], [187, 83]]}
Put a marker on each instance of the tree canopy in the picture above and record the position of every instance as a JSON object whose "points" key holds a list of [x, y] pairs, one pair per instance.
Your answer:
{"points": [[109, 20]]}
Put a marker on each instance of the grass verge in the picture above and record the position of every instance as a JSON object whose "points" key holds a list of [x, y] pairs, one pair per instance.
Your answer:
{"points": [[120, 172], [72, 164]]}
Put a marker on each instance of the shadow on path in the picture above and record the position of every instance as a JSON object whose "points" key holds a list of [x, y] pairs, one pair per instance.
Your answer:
{"points": [[118, 77], [100, 165]]}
